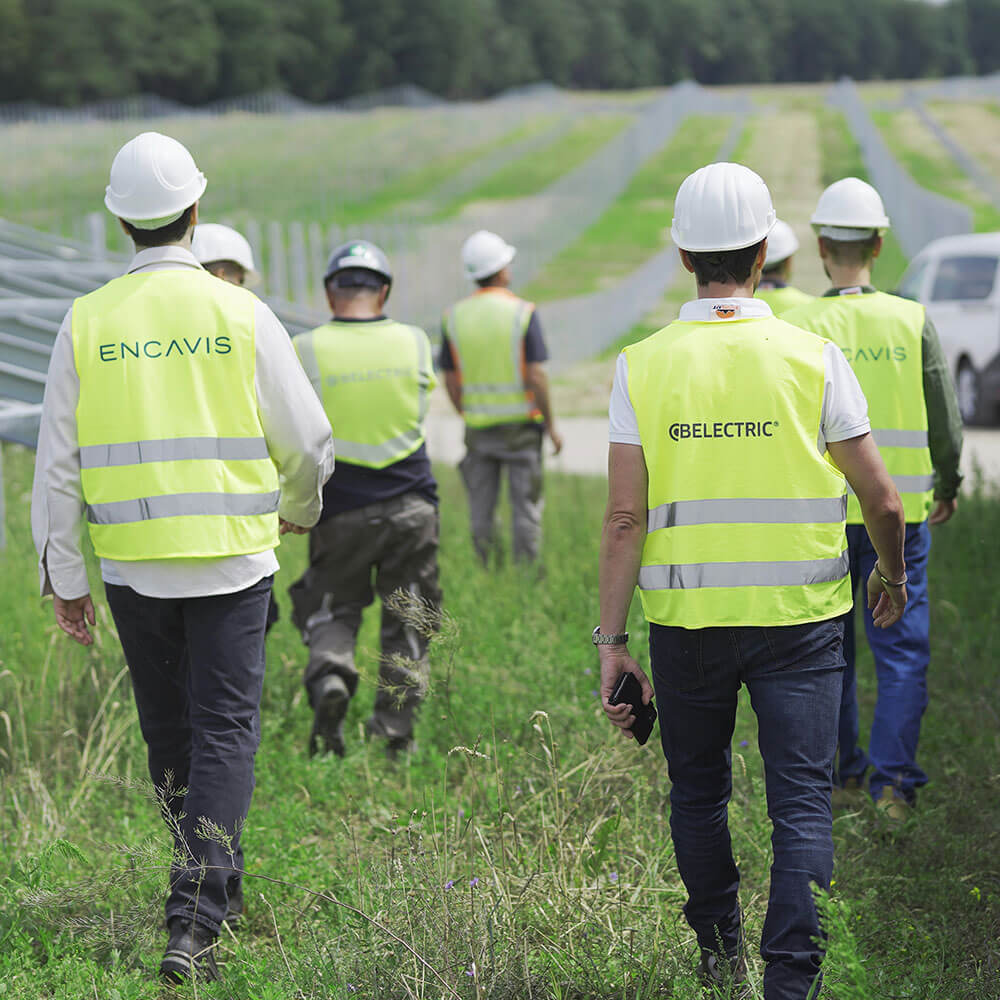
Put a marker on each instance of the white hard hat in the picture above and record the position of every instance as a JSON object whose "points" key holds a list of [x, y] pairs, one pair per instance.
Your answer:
{"points": [[212, 242], [484, 253], [850, 210], [153, 179], [781, 243], [724, 206]]}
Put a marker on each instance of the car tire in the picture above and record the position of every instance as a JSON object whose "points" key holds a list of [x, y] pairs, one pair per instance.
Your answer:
{"points": [[968, 388]]}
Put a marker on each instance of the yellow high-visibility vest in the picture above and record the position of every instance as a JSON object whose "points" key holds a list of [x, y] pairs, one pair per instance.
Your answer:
{"points": [[746, 518], [173, 459], [486, 331], [882, 337], [373, 380], [782, 299]]}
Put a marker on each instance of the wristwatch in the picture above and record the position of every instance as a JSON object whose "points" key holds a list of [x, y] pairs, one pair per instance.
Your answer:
{"points": [[598, 638]]}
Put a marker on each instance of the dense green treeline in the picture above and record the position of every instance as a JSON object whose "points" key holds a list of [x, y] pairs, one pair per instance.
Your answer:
{"points": [[70, 51]]}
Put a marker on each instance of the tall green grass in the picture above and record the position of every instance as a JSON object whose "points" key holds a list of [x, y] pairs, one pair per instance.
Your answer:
{"points": [[521, 852]]}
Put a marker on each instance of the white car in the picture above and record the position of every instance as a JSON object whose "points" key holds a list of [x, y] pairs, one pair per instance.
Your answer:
{"points": [[956, 279]]}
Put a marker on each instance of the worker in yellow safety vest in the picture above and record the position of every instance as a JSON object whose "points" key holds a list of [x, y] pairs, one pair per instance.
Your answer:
{"points": [[178, 421], [895, 353], [731, 435], [492, 356], [379, 529], [774, 287]]}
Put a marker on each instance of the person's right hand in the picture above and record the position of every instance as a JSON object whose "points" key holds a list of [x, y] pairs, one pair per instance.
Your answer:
{"points": [[886, 603], [284, 527], [614, 661], [556, 438], [72, 617]]}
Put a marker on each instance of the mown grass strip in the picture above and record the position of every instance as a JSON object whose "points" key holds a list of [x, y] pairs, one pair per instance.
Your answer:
{"points": [[929, 164], [842, 158], [421, 183], [523, 850], [637, 224], [535, 171]]}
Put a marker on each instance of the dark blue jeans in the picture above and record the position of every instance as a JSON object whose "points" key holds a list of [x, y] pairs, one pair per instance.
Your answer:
{"points": [[902, 654], [794, 676], [197, 668]]}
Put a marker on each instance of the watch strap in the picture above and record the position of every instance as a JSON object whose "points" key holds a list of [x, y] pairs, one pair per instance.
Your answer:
{"points": [[600, 639]]}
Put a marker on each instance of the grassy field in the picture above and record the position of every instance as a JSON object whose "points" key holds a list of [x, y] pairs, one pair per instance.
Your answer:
{"points": [[538, 169], [316, 167], [637, 224], [521, 852], [929, 164]]}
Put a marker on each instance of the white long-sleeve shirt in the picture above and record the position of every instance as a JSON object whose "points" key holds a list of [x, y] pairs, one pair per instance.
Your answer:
{"points": [[298, 437]]}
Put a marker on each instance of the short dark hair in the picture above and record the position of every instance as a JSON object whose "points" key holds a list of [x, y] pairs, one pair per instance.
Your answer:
{"points": [[357, 277], [488, 280], [851, 253], [724, 266], [172, 232]]}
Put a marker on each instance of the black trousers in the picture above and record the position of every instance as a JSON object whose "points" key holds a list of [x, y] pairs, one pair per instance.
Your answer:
{"points": [[197, 668]]}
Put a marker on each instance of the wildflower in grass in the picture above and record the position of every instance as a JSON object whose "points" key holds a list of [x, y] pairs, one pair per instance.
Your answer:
{"points": [[613, 876], [744, 743], [461, 814], [449, 884], [594, 692], [474, 883], [588, 671]]}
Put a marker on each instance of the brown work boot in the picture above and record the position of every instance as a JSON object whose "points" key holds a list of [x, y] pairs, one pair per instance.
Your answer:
{"points": [[849, 795], [892, 806]]}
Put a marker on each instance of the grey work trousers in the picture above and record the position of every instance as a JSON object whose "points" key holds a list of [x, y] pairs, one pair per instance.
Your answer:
{"points": [[393, 542], [489, 450]]}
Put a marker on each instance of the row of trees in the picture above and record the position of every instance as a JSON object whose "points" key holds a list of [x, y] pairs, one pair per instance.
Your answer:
{"points": [[70, 51]]}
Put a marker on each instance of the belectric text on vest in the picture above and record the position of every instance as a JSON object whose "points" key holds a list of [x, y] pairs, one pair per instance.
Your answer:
{"points": [[722, 429]]}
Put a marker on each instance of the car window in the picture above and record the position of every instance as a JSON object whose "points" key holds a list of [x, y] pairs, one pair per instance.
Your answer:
{"points": [[909, 286], [964, 278]]}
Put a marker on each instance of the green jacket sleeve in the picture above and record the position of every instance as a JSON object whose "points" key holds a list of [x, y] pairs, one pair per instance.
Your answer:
{"points": [[944, 421]]}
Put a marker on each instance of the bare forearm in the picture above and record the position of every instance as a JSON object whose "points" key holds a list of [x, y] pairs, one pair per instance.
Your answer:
{"points": [[887, 530], [538, 383], [621, 555], [453, 384]]}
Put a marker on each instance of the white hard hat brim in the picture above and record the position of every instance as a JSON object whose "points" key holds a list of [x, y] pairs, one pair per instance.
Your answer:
{"points": [[739, 245], [157, 221], [496, 265], [848, 234]]}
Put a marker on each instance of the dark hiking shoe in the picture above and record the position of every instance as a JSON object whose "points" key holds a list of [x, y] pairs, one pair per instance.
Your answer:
{"points": [[716, 973], [190, 953], [331, 699], [234, 906]]}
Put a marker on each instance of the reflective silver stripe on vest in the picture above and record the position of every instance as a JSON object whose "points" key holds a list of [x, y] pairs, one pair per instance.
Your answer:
{"points": [[354, 451], [497, 388], [691, 576], [682, 513], [101, 456], [184, 505], [498, 410], [900, 439], [909, 484]]}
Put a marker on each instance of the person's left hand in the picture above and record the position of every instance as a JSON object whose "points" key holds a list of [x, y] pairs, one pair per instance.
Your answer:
{"points": [[72, 617], [616, 660], [943, 511], [284, 527]]}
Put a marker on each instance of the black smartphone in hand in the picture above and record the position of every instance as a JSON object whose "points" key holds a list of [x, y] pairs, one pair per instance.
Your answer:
{"points": [[628, 691]]}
